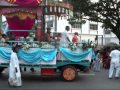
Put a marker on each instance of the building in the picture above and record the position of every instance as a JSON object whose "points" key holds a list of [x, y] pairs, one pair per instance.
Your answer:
{"points": [[92, 31], [110, 37]]}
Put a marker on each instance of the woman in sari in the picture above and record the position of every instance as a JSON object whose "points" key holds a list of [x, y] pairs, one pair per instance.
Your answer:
{"points": [[106, 58]]}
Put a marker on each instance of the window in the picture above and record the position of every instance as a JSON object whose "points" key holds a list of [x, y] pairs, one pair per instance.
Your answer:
{"points": [[50, 23], [76, 25], [93, 27]]}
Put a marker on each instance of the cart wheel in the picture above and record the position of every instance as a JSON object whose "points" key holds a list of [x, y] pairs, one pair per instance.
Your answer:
{"points": [[69, 73]]}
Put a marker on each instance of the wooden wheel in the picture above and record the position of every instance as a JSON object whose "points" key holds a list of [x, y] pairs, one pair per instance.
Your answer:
{"points": [[69, 73]]}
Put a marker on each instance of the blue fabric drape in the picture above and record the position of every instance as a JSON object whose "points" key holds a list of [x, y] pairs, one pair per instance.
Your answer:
{"points": [[29, 57], [5, 53], [32, 56], [48, 55], [37, 55], [73, 56]]}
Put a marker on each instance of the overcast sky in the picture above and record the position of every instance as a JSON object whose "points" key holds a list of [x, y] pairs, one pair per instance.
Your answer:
{"points": [[94, 0]]}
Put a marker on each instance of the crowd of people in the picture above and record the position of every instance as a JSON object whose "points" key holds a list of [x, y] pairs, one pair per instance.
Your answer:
{"points": [[108, 58]]}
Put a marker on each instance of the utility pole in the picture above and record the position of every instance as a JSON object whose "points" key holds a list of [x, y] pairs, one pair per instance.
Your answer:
{"points": [[55, 17], [0, 22], [55, 23]]}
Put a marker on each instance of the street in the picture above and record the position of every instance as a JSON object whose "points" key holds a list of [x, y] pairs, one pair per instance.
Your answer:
{"points": [[93, 80]]}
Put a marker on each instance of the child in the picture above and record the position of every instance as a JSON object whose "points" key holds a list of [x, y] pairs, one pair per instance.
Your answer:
{"points": [[75, 38]]}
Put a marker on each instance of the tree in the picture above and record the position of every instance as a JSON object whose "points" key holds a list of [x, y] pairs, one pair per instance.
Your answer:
{"points": [[80, 8], [105, 11]]}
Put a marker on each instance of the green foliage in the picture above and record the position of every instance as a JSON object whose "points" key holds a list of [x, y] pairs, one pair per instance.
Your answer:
{"points": [[88, 44], [72, 46], [105, 11]]}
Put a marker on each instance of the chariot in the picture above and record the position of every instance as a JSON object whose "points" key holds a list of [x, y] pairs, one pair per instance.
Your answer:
{"points": [[21, 16]]}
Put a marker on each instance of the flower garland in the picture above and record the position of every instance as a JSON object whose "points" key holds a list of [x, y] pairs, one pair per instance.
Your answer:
{"points": [[31, 36], [72, 46], [26, 46]]}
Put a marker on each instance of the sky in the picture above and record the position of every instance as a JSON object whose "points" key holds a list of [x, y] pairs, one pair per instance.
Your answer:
{"points": [[94, 0]]}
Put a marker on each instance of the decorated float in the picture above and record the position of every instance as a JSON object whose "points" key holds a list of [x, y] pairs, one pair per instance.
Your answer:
{"points": [[21, 17]]}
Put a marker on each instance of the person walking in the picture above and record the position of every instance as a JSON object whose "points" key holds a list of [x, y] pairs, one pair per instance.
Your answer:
{"points": [[97, 60], [14, 70], [106, 58], [115, 63]]}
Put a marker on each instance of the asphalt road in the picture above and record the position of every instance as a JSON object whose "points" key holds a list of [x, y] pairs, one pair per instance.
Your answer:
{"points": [[93, 80]]}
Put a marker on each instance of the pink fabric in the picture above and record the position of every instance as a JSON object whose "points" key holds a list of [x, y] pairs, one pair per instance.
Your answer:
{"points": [[27, 2], [16, 24]]}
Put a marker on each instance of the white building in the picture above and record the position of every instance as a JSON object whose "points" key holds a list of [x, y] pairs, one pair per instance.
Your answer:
{"points": [[110, 37], [92, 31]]}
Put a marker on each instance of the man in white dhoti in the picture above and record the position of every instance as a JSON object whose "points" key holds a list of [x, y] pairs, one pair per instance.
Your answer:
{"points": [[14, 70], [115, 63]]}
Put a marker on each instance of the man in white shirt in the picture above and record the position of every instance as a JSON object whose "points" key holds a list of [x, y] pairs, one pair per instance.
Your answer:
{"points": [[64, 41], [115, 63]]}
